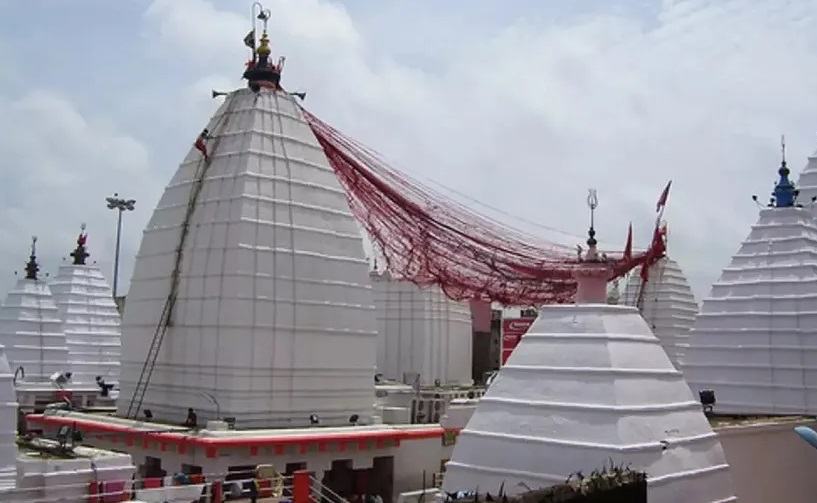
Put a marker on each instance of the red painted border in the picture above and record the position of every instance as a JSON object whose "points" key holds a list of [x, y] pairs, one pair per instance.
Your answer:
{"points": [[212, 444]]}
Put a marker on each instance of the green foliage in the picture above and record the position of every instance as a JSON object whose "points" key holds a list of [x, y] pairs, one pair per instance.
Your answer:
{"points": [[611, 484]]}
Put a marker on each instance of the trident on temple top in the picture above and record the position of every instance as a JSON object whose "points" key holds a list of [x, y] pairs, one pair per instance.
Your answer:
{"points": [[592, 203]]}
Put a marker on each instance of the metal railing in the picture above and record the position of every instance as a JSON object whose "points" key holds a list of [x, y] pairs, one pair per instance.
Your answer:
{"points": [[169, 490], [319, 493]]}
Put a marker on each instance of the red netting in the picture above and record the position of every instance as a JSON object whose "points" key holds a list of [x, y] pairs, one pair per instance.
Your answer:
{"points": [[430, 239]]}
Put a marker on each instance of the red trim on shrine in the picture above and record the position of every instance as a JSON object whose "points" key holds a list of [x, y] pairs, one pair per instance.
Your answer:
{"points": [[340, 441]]}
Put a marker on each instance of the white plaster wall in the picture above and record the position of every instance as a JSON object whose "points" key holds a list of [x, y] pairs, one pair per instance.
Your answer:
{"points": [[771, 463], [668, 305], [611, 393], [422, 331], [411, 459], [274, 316], [32, 332], [66, 480], [8, 425], [91, 322], [755, 341]]}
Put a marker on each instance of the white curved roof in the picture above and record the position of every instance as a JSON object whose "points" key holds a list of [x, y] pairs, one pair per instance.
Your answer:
{"points": [[8, 425], [274, 316], [31, 331], [90, 320], [755, 340], [668, 305], [589, 383]]}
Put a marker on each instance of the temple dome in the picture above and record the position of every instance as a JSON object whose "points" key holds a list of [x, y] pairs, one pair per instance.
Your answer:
{"points": [[588, 384], [32, 332], [91, 322], [667, 304], [755, 340], [274, 315]]}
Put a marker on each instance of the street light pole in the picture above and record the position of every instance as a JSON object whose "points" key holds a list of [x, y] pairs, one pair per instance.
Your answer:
{"points": [[119, 204]]}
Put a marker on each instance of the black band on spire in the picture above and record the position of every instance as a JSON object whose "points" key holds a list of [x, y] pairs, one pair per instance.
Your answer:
{"points": [[32, 267]]}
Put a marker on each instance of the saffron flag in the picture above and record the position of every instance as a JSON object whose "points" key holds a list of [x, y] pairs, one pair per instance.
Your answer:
{"points": [[249, 40], [658, 248], [628, 247], [662, 200]]}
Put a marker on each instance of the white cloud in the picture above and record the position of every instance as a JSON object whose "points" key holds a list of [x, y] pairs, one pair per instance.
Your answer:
{"points": [[530, 115], [523, 115], [61, 164]]}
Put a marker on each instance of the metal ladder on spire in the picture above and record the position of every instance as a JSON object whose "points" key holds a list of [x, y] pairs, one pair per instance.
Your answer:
{"points": [[166, 318]]}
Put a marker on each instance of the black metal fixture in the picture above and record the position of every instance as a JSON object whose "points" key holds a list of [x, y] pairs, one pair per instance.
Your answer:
{"points": [[104, 388], [707, 398]]}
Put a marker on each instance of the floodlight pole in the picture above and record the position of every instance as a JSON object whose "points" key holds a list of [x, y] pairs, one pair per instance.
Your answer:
{"points": [[121, 205]]}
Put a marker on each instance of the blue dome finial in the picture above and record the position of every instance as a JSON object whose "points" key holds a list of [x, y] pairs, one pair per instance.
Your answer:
{"points": [[785, 194]]}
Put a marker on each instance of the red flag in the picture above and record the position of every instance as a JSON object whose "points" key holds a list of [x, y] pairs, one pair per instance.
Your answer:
{"points": [[662, 201], [628, 247], [658, 248]]}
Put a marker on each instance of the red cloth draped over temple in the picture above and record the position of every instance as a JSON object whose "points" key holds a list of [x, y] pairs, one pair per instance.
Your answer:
{"points": [[428, 239]]}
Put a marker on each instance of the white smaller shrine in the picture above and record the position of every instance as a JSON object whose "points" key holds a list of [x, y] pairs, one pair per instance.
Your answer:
{"points": [[667, 304], [31, 329], [754, 342], [90, 318], [589, 385]]}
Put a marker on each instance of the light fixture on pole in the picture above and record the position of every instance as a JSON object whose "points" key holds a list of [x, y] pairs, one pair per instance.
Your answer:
{"points": [[119, 204]]}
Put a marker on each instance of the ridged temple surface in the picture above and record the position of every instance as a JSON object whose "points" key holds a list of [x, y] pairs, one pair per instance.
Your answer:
{"points": [[31, 331], [807, 183], [421, 332], [91, 322], [668, 305], [274, 317], [755, 341], [8, 423], [586, 385]]}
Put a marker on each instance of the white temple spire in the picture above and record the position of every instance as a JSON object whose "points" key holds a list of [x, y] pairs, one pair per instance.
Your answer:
{"points": [[752, 342]]}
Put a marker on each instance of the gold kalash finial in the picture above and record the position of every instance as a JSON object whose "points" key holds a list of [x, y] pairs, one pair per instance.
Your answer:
{"points": [[261, 72], [263, 50]]}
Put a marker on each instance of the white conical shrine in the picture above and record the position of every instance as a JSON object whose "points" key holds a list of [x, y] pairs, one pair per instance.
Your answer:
{"points": [[8, 425], [666, 303], [589, 384], [31, 329], [755, 341], [274, 319], [807, 182], [90, 318]]}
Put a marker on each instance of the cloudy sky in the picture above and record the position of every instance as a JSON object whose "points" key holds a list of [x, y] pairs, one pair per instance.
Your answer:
{"points": [[521, 105]]}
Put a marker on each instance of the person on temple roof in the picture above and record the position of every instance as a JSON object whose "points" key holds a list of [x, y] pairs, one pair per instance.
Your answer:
{"points": [[201, 146]]}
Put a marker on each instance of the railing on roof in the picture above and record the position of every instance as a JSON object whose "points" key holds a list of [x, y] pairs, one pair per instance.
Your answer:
{"points": [[319, 493], [300, 487]]}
